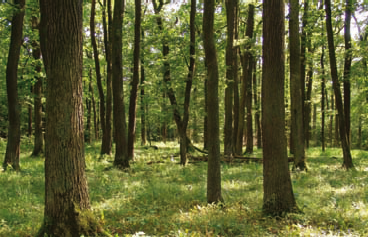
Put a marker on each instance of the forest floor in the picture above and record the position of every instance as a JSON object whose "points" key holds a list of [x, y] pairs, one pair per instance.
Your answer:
{"points": [[158, 197]]}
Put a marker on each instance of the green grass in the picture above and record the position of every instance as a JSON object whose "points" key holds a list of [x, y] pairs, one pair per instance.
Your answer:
{"points": [[165, 199]]}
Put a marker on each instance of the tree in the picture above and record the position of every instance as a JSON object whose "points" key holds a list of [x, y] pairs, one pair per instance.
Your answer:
{"points": [[13, 144], [229, 91], [214, 173], [278, 195], [67, 207], [121, 151], [297, 132], [135, 81], [348, 162]]}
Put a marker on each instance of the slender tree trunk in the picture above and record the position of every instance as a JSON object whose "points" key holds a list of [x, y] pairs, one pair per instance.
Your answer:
{"points": [[303, 62], [143, 99], [135, 81], [257, 107], [67, 207], [121, 154], [236, 78], [245, 58], [248, 98], [323, 98], [348, 162], [37, 91], [278, 192], [332, 115], [205, 120], [13, 144], [347, 67], [188, 87], [104, 147], [93, 107], [214, 169], [297, 132], [229, 90], [29, 134]]}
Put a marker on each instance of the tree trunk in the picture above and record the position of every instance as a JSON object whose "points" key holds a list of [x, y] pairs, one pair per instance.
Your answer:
{"points": [[143, 99], [248, 98], [121, 154], [297, 132], [229, 90], [278, 193], [13, 144], [214, 169], [257, 108], [104, 147], [37, 91], [236, 78], [347, 67], [245, 58], [67, 207], [323, 98], [348, 162], [135, 81], [205, 120]]}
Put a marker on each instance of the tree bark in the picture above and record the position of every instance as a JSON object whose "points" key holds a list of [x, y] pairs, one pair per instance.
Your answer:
{"points": [[229, 90], [297, 132], [121, 153], [214, 169], [303, 61], [348, 162], [13, 143], [257, 108], [37, 91], [236, 77], [278, 195], [135, 81], [347, 67], [67, 207]]}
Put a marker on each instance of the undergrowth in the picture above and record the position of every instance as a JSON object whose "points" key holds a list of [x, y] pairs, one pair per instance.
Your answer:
{"points": [[158, 197]]}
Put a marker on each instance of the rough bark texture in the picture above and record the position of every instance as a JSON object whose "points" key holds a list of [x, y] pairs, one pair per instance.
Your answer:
{"points": [[13, 144], [297, 132], [229, 90], [347, 67], [121, 152], [278, 193], [348, 162], [66, 191], [214, 169], [135, 81]]}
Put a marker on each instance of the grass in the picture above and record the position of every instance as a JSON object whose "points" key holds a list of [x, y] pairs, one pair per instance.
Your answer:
{"points": [[165, 199]]}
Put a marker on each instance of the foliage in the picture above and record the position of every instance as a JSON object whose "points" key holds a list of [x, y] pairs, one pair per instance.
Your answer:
{"points": [[163, 198]]}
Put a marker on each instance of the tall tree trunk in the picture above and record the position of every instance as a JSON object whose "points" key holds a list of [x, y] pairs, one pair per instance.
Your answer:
{"points": [[278, 195], [323, 98], [347, 67], [297, 132], [308, 97], [90, 88], [188, 87], [104, 147], [121, 153], [257, 116], [67, 207], [248, 98], [245, 58], [205, 120], [214, 168], [143, 100], [303, 62], [229, 90], [135, 81], [236, 78], [37, 91], [348, 162], [13, 144]]}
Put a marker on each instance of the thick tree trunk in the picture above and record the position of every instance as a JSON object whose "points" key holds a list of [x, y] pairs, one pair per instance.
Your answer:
{"points": [[67, 207], [135, 81], [214, 169], [229, 90], [297, 132], [13, 144], [278, 192], [347, 67], [348, 162], [121, 153]]}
